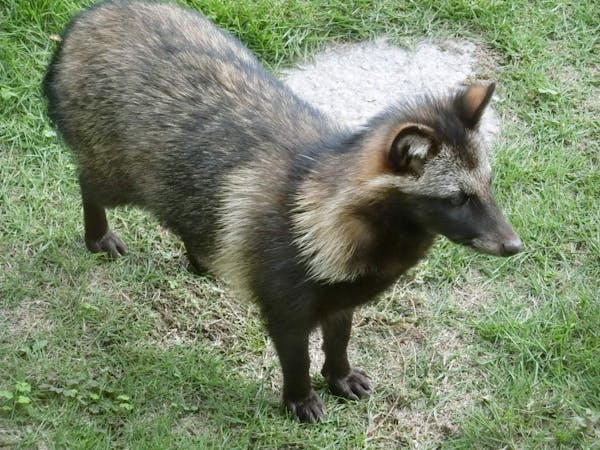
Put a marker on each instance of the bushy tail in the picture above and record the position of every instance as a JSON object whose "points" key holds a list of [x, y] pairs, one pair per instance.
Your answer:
{"points": [[48, 86]]}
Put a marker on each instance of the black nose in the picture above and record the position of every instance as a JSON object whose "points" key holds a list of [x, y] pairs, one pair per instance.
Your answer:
{"points": [[512, 246]]}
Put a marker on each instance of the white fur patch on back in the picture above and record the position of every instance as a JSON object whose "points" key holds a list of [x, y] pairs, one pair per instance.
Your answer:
{"points": [[243, 197]]}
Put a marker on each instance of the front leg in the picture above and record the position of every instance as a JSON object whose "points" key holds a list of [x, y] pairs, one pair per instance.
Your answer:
{"points": [[343, 380], [291, 343]]}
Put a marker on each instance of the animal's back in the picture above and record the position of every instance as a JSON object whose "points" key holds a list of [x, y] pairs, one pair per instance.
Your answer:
{"points": [[159, 105]]}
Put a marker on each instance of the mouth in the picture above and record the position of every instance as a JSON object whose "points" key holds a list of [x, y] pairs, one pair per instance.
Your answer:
{"points": [[465, 243], [505, 248]]}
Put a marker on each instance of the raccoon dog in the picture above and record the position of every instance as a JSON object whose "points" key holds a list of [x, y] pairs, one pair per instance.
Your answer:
{"points": [[309, 219]]}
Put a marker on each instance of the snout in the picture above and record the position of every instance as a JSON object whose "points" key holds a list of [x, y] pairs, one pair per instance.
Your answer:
{"points": [[478, 224], [495, 234]]}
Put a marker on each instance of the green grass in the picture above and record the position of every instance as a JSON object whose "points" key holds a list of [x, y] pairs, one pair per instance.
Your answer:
{"points": [[468, 352]]}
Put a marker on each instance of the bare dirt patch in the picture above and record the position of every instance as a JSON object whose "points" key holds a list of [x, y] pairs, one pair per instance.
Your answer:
{"points": [[25, 321], [200, 309], [353, 82]]}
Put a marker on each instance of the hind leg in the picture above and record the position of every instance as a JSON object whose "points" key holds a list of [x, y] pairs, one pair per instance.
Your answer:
{"points": [[98, 237]]}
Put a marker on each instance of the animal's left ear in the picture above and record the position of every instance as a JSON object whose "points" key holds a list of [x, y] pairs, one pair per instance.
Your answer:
{"points": [[471, 103], [412, 146]]}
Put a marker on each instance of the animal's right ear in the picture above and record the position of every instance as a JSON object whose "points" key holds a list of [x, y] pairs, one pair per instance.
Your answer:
{"points": [[411, 148], [471, 103]]}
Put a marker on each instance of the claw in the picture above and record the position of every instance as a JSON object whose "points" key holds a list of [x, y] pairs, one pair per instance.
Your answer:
{"points": [[110, 243], [308, 410], [353, 386]]}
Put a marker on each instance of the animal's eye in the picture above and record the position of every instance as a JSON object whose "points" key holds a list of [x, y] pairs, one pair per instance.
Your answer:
{"points": [[459, 199]]}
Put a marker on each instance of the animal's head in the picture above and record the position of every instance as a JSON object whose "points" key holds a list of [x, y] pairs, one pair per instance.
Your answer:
{"points": [[432, 155]]}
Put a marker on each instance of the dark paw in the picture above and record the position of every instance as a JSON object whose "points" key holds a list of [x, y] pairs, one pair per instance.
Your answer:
{"points": [[309, 409], [110, 244], [353, 386]]}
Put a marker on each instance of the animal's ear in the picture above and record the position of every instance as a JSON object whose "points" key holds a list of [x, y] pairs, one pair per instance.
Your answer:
{"points": [[411, 148], [471, 103]]}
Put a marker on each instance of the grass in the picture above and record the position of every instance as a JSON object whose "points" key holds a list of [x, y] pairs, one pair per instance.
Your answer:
{"points": [[466, 352]]}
